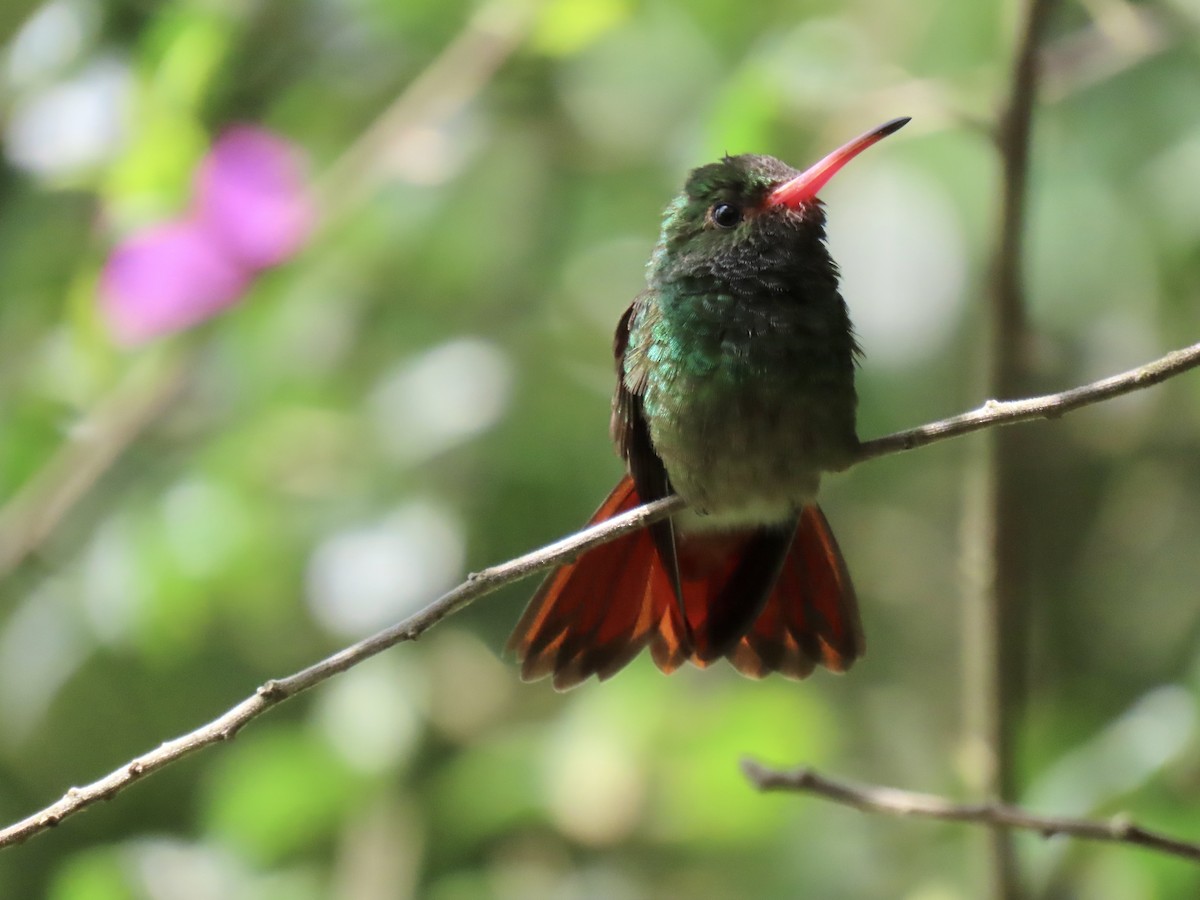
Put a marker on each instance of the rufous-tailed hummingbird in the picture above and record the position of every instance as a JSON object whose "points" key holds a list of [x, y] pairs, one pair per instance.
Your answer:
{"points": [[735, 390]]}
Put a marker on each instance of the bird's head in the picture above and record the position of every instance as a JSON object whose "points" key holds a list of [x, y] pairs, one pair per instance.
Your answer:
{"points": [[750, 206]]}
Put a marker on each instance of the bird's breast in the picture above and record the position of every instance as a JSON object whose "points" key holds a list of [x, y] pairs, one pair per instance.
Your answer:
{"points": [[745, 418]]}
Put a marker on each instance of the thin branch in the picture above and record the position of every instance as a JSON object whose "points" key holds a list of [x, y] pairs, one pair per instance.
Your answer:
{"points": [[273, 692], [1049, 406], [489, 580], [894, 802]]}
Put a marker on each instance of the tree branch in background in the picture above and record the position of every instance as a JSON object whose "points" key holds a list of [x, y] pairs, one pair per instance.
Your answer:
{"points": [[995, 586], [442, 90], [489, 580], [29, 519], [893, 802]]}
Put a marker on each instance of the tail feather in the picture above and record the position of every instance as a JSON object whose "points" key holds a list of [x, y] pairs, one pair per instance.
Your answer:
{"points": [[670, 644], [831, 606], [608, 640], [594, 615], [722, 608], [544, 619], [769, 600], [812, 614]]}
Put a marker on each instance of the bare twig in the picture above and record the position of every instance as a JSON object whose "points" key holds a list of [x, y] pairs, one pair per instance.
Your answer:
{"points": [[1049, 406], [893, 802], [274, 692]]}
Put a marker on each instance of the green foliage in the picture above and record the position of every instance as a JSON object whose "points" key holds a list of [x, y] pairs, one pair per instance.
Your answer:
{"points": [[425, 391], [92, 875], [278, 794]]}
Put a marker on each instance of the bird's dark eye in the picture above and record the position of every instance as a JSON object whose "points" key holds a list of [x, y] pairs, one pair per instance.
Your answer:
{"points": [[726, 215]]}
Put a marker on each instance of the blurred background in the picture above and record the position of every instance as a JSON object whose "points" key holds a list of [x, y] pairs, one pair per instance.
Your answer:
{"points": [[415, 384]]}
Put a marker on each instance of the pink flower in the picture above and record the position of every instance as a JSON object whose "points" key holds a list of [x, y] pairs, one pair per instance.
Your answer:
{"points": [[168, 278], [251, 211], [250, 195]]}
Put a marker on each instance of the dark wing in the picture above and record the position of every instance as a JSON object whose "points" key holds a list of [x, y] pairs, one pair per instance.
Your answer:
{"points": [[632, 437]]}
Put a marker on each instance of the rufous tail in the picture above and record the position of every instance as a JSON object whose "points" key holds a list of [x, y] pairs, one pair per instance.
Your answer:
{"points": [[769, 600]]}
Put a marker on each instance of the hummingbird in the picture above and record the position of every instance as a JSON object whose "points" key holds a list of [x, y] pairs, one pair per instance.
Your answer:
{"points": [[735, 390]]}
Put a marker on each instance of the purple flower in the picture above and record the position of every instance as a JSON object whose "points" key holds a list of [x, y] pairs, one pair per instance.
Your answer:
{"points": [[251, 211], [168, 278], [250, 194]]}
